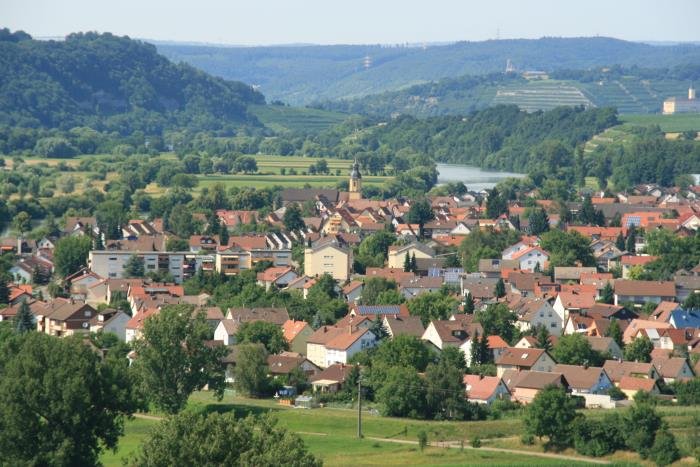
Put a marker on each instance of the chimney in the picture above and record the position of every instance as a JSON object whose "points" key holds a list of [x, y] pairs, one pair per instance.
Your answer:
{"points": [[350, 329]]}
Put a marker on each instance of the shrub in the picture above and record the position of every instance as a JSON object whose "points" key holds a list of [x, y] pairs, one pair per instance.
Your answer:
{"points": [[664, 451], [476, 442], [527, 439], [422, 440]]}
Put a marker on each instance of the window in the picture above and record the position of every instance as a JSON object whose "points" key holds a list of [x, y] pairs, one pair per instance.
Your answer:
{"points": [[553, 325], [87, 313]]}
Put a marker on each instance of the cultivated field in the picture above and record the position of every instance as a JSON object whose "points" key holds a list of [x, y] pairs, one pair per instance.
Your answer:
{"points": [[668, 123]]}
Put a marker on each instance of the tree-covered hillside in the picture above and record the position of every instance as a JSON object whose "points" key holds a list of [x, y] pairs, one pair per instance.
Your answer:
{"points": [[305, 74], [112, 83]]}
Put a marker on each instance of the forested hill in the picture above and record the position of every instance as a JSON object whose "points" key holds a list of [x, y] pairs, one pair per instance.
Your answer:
{"points": [[112, 83], [305, 74]]}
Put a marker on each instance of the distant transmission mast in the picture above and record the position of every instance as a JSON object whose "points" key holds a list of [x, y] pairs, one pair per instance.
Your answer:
{"points": [[510, 68], [367, 62]]}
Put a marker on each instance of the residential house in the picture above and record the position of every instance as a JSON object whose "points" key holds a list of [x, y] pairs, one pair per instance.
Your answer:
{"points": [[686, 284], [633, 329], [628, 262], [244, 252], [524, 359], [396, 325], [353, 291], [297, 333], [525, 385], [375, 312], [536, 312], [641, 292], [533, 258], [276, 316], [618, 369], [331, 379], [279, 277], [226, 331], [110, 320], [681, 318], [495, 267], [673, 369], [287, 362], [453, 333], [585, 379], [329, 257], [337, 344], [413, 287], [69, 318], [631, 385], [571, 274], [485, 389], [397, 253], [605, 345]]}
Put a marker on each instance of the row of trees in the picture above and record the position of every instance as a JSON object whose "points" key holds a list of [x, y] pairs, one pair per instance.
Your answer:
{"points": [[640, 429]]}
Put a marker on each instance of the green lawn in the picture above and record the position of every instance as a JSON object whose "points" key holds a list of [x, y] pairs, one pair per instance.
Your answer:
{"points": [[668, 123]]}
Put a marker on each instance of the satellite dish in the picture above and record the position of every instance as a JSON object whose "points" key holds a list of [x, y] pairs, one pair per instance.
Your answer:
{"points": [[86, 324]]}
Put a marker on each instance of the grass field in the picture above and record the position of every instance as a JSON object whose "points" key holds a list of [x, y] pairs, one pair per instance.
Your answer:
{"points": [[331, 434], [668, 123]]}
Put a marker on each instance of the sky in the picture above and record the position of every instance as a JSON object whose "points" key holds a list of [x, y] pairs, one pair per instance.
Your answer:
{"points": [[264, 22]]}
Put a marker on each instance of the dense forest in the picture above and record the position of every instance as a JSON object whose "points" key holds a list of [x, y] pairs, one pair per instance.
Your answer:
{"points": [[113, 84], [305, 74]]}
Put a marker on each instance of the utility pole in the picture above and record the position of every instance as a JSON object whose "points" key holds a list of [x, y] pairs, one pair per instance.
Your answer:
{"points": [[359, 407]]}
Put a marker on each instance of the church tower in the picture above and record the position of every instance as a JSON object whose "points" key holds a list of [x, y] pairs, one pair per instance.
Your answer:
{"points": [[355, 187]]}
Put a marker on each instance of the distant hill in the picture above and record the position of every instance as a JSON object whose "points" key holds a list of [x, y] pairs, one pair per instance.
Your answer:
{"points": [[112, 84], [306, 74], [630, 90]]}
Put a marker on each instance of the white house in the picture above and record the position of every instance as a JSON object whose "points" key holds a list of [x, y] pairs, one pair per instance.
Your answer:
{"points": [[532, 258], [226, 331]]}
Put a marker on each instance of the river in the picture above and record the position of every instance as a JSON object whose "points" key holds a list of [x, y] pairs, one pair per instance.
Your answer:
{"points": [[474, 178]]}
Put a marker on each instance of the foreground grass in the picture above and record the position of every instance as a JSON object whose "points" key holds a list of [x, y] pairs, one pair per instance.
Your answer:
{"points": [[332, 435]]}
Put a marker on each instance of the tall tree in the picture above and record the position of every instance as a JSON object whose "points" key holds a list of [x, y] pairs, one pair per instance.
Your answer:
{"points": [[268, 334], [574, 349], [498, 320], [414, 264], [71, 423], [639, 350], [615, 332], [223, 234], [4, 288], [469, 304], [22, 223], [24, 319], [496, 204], [607, 295], [407, 263], [538, 221], [542, 335], [111, 215], [71, 254], [134, 267], [500, 289], [402, 393], [420, 212], [251, 370], [551, 414], [292, 218], [174, 358]]}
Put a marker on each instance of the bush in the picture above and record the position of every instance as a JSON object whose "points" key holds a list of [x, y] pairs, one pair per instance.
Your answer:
{"points": [[422, 440], [527, 439], [664, 451], [598, 437], [476, 442]]}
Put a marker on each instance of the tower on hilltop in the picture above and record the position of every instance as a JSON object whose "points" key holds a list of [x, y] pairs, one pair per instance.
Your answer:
{"points": [[355, 186]]}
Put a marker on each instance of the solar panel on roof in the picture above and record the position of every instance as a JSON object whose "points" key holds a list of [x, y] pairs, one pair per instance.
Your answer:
{"points": [[378, 309]]}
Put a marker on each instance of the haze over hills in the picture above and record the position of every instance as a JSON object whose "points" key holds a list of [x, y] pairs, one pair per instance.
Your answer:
{"points": [[306, 74]]}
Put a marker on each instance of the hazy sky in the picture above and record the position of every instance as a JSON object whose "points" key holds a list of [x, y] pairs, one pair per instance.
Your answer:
{"points": [[356, 21]]}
